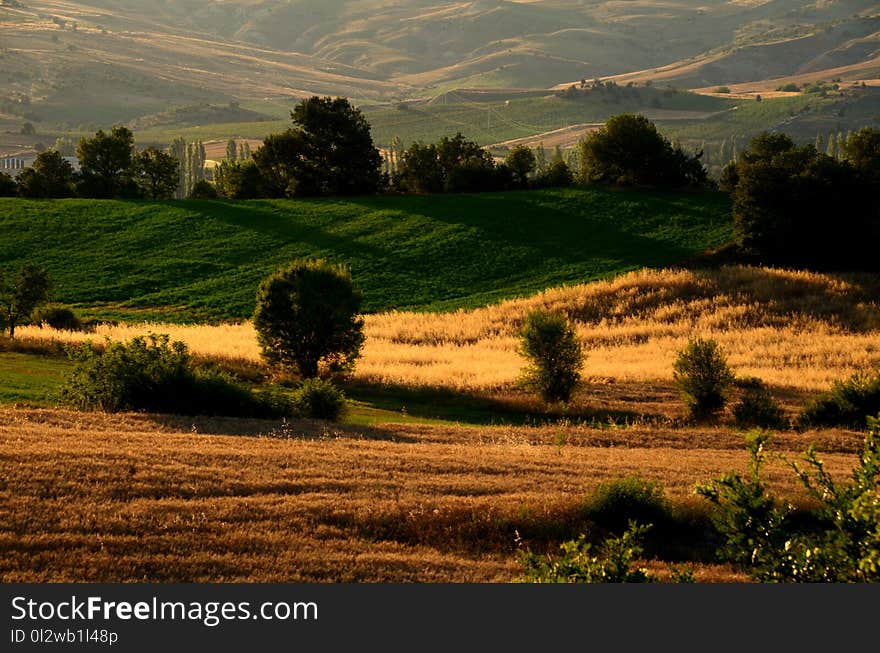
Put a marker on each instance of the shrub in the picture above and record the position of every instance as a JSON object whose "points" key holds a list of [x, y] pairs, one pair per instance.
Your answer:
{"points": [[203, 190], [58, 317], [703, 377], [766, 536], [846, 403], [557, 175], [549, 342], [756, 406], [319, 399], [149, 374], [616, 503], [308, 313], [612, 564]]}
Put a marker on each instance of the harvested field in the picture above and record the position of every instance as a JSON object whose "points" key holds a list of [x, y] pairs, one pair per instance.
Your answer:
{"points": [[139, 498]]}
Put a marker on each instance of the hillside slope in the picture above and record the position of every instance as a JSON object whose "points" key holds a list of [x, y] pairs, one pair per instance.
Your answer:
{"points": [[200, 260], [99, 61]]}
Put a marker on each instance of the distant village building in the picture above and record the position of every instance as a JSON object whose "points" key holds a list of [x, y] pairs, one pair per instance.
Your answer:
{"points": [[14, 164]]}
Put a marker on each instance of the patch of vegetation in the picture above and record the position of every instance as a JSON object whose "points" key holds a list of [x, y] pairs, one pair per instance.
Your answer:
{"points": [[149, 374], [318, 399], [614, 504], [767, 537], [612, 563], [756, 406], [847, 403], [32, 379], [57, 316], [554, 353], [201, 260], [308, 313], [701, 373], [200, 114]]}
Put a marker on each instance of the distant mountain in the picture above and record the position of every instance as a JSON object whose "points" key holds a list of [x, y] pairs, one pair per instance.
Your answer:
{"points": [[95, 62]]}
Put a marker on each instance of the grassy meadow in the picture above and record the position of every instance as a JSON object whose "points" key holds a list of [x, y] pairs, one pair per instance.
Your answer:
{"points": [[203, 260]]}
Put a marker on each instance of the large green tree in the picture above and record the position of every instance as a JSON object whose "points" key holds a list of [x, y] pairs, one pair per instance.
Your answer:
{"points": [[106, 163], [50, 176], [156, 173], [795, 205], [522, 161], [8, 187], [328, 151], [628, 149], [282, 160], [307, 313], [419, 170], [340, 157]]}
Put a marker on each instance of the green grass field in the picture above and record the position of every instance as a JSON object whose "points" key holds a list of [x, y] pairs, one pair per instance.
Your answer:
{"points": [[203, 260], [31, 379]]}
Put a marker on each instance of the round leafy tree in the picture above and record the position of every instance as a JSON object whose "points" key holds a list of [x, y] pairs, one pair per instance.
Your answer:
{"points": [[308, 313]]}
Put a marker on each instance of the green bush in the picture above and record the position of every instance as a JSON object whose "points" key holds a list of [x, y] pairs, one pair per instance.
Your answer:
{"points": [[319, 399], [549, 342], [756, 406], [767, 537], [149, 374], [614, 504], [203, 190], [703, 377], [613, 563], [58, 317], [846, 403]]}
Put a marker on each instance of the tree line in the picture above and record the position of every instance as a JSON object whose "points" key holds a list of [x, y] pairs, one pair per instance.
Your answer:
{"points": [[110, 167]]}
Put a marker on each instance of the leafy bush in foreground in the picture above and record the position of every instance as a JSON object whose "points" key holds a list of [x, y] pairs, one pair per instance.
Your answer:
{"points": [[846, 403], [765, 536], [149, 374], [613, 563]]}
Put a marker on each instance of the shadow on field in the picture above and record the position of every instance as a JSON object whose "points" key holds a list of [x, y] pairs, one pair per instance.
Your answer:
{"points": [[281, 429], [628, 229], [508, 409]]}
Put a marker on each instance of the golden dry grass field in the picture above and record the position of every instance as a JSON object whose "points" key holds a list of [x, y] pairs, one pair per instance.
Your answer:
{"points": [[795, 330]]}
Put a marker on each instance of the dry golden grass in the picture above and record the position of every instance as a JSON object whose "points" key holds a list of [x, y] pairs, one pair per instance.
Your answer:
{"points": [[128, 498], [798, 330]]}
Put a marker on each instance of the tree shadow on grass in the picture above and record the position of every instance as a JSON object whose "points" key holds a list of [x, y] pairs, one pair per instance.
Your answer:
{"points": [[480, 409]]}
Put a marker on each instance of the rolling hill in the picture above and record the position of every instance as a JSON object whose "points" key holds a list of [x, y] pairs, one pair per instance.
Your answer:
{"points": [[202, 260], [97, 62]]}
